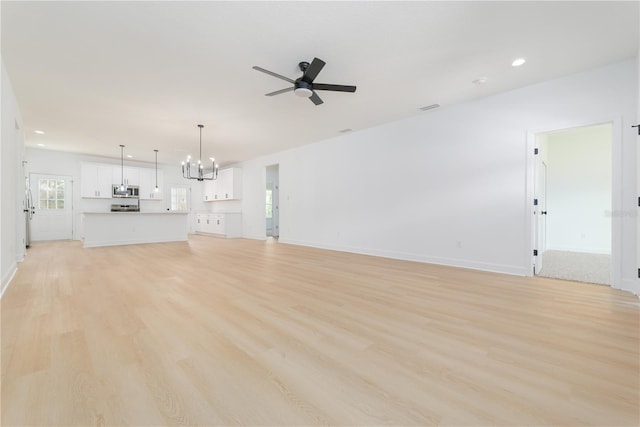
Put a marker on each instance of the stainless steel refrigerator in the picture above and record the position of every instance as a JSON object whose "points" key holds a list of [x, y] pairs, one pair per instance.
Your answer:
{"points": [[29, 210]]}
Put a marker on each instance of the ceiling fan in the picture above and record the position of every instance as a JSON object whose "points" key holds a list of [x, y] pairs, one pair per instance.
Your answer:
{"points": [[304, 85]]}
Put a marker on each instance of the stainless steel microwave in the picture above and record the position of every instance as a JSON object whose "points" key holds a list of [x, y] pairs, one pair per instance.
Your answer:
{"points": [[130, 191]]}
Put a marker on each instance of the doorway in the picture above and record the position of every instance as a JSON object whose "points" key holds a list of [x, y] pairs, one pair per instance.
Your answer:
{"points": [[52, 217], [272, 198], [573, 203]]}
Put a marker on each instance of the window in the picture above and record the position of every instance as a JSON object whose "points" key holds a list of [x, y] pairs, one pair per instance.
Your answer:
{"points": [[179, 199], [269, 203], [51, 194]]}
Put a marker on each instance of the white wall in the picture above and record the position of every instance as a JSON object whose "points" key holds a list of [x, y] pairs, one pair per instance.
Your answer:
{"points": [[579, 176], [447, 186], [12, 228], [63, 163]]}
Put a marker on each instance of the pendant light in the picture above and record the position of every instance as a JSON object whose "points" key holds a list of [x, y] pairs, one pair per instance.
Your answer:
{"points": [[157, 189], [122, 186], [200, 175]]}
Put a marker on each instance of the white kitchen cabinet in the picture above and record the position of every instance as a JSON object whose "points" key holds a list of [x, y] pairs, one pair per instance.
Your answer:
{"points": [[201, 222], [220, 224], [130, 175], [96, 181], [147, 184], [209, 190], [228, 186]]}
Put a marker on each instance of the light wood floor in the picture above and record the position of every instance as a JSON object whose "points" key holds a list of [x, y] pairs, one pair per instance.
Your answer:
{"points": [[228, 332]]}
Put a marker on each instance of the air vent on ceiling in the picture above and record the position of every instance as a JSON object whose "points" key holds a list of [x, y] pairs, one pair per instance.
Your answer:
{"points": [[429, 107]]}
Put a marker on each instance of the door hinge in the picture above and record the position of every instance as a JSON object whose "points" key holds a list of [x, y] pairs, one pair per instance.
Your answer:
{"points": [[535, 252], [637, 126], [535, 202], [535, 151], [639, 273]]}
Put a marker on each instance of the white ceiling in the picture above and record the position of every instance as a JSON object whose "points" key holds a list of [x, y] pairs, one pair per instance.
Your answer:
{"points": [[94, 75]]}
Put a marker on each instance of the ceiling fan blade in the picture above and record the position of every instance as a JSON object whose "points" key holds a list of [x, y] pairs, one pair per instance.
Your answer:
{"points": [[315, 99], [314, 68], [271, 73], [337, 88], [278, 92]]}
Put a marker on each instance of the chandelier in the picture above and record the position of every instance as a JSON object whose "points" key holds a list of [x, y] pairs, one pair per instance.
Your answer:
{"points": [[202, 173]]}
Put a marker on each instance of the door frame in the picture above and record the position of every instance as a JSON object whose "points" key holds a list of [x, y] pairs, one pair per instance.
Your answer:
{"points": [[616, 193], [275, 194], [540, 216]]}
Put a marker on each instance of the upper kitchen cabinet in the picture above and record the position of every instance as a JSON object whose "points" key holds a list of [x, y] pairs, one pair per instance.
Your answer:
{"points": [[96, 180], [209, 192], [130, 175], [147, 183], [228, 186]]}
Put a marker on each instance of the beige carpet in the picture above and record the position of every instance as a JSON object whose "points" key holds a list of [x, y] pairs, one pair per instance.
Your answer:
{"points": [[577, 266]]}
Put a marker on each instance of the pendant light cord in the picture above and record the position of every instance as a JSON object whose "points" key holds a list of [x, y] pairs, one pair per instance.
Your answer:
{"points": [[156, 168], [121, 165]]}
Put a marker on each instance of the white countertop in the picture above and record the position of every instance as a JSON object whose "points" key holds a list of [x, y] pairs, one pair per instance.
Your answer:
{"points": [[138, 213]]}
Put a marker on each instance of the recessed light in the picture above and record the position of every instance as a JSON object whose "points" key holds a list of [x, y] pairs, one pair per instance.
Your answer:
{"points": [[39, 132], [40, 145], [129, 156], [479, 81], [518, 62]]}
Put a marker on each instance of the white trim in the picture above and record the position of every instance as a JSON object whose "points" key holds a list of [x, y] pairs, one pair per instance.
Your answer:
{"points": [[616, 192], [408, 256], [6, 280], [630, 285], [255, 237]]}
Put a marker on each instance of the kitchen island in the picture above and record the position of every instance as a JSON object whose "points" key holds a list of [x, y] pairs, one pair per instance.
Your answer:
{"points": [[130, 228]]}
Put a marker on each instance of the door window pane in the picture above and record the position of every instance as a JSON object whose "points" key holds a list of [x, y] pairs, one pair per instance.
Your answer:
{"points": [[51, 194], [269, 204], [179, 198]]}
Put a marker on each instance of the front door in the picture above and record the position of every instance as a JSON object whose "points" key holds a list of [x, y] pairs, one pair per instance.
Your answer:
{"points": [[52, 202]]}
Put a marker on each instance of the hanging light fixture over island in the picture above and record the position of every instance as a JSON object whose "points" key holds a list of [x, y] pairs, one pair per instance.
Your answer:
{"points": [[156, 189], [122, 190], [202, 173]]}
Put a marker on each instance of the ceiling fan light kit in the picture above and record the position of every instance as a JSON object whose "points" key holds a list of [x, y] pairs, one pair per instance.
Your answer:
{"points": [[304, 86], [303, 89]]}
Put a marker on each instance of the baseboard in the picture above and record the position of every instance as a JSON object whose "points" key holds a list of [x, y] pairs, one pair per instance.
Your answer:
{"points": [[630, 285], [606, 251], [407, 256], [254, 237], [6, 280]]}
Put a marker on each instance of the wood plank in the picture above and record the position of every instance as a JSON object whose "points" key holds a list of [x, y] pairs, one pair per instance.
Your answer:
{"points": [[242, 332]]}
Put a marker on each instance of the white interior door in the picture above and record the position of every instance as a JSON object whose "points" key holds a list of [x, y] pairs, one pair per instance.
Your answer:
{"points": [[53, 212]]}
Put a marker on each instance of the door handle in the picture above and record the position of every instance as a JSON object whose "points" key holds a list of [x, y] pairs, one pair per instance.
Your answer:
{"points": [[543, 212]]}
